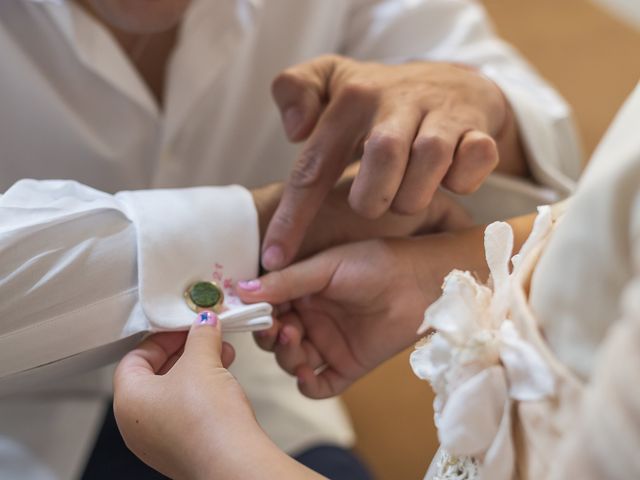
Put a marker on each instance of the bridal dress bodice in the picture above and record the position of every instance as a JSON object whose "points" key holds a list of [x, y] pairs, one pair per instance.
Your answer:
{"points": [[536, 372]]}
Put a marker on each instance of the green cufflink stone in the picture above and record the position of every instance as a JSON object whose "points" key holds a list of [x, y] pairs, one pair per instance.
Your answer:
{"points": [[205, 294]]}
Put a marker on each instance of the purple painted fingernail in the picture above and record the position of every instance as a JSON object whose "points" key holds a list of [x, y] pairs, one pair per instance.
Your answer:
{"points": [[250, 285], [273, 257], [207, 318]]}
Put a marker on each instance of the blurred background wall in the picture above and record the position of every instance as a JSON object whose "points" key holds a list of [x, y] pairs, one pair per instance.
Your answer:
{"points": [[593, 60]]}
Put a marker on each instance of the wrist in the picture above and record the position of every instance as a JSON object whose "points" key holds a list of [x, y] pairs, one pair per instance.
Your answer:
{"points": [[436, 255], [247, 452]]}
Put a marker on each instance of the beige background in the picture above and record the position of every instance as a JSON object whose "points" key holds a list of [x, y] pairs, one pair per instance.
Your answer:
{"points": [[593, 60]]}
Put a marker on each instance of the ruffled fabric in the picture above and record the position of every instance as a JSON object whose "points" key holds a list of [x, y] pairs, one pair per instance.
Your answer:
{"points": [[478, 363]]}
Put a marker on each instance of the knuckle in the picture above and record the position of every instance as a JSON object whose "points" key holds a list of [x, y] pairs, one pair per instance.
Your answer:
{"points": [[284, 219], [357, 93], [331, 58], [283, 82], [433, 148], [307, 170], [388, 147], [370, 208]]}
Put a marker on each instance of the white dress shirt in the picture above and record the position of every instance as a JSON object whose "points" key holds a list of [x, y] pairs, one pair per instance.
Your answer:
{"points": [[87, 269]]}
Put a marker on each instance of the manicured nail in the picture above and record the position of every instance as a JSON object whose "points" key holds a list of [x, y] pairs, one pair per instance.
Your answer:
{"points": [[283, 338], [300, 379], [207, 318], [273, 257], [250, 285], [292, 119]]}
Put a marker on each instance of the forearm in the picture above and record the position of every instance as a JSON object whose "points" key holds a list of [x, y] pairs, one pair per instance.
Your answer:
{"points": [[461, 250], [250, 455]]}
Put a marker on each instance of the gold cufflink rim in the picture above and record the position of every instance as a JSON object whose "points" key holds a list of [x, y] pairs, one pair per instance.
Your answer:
{"points": [[217, 307]]}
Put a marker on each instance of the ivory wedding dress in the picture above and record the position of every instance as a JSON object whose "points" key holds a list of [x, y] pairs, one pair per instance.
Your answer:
{"points": [[536, 373]]}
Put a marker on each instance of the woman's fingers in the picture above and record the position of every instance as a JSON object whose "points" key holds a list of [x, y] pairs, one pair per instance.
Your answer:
{"points": [[150, 356], [228, 354], [318, 385], [300, 279], [204, 342]]}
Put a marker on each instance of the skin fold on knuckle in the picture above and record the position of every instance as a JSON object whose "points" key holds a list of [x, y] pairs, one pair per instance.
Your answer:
{"points": [[414, 196], [385, 152], [387, 148], [307, 171], [434, 149], [370, 205]]}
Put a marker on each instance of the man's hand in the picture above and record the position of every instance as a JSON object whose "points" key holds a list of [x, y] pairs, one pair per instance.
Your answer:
{"points": [[336, 223], [416, 126], [346, 310]]}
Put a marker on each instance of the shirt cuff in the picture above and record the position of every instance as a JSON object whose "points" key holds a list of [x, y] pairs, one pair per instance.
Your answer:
{"points": [[546, 129], [188, 235]]}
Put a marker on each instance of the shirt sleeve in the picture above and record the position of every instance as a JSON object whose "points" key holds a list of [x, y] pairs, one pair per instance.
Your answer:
{"points": [[460, 31], [82, 270]]}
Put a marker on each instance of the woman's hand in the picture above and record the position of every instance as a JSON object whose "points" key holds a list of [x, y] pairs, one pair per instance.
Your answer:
{"points": [[346, 310], [175, 408], [181, 412]]}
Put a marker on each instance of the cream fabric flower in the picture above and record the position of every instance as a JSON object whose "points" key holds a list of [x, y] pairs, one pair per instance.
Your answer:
{"points": [[477, 362]]}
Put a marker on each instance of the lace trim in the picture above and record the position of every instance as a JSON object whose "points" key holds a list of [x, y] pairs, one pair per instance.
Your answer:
{"points": [[449, 467]]}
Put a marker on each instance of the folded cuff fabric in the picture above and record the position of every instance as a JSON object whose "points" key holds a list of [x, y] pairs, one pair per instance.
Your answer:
{"points": [[190, 235], [82, 272]]}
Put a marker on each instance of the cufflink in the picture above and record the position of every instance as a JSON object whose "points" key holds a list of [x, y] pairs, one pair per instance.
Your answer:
{"points": [[204, 295]]}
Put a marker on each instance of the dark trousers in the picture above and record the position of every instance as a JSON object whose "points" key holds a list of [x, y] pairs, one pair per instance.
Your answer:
{"points": [[111, 459]]}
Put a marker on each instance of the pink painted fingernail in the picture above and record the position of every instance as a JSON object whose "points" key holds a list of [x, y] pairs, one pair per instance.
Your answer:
{"points": [[250, 285], [273, 257], [283, 338], [207, 318]]}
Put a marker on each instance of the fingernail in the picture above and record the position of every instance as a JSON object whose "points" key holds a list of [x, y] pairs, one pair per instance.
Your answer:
{"points": [[300, 379], [292, 119], [283, 338], [207, 318], [250, 285], [273, 257]]}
